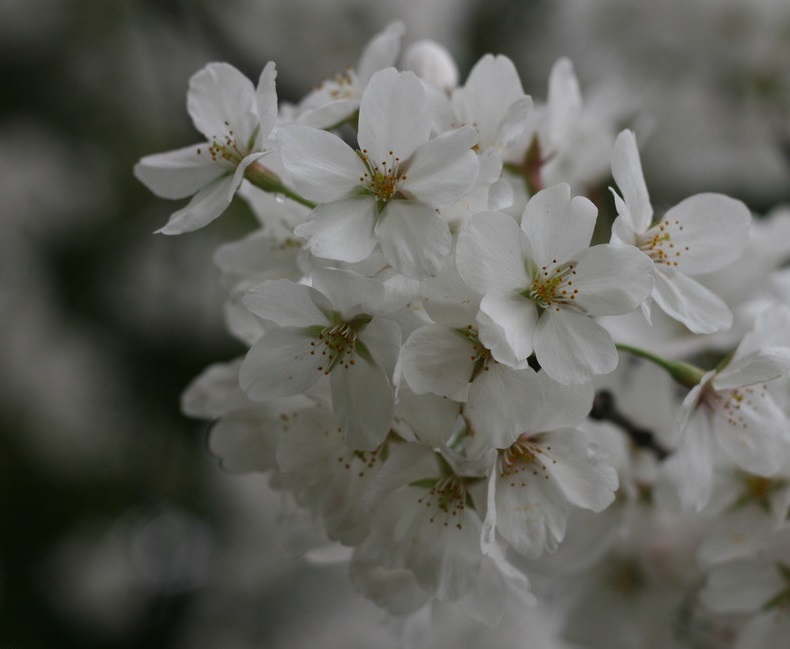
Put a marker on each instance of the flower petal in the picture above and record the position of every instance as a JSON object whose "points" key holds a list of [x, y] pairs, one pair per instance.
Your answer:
{"points": [[442, 170], [612, 279], [393, 116], [581, 469], [205, 206], [689, 302], [222, 102], [511, 320], [490, 253], [627, 173], [266, 100], [323, 167], [414, 238], [708, 230], [341, 230], [573, 348], [557, 226], [436, 359], [381, 52], [531, 512], [179, 173], [279, 365], [288, 304], [364, 402]]}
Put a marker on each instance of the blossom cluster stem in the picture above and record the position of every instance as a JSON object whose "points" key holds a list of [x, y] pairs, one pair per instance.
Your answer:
{"points": [[686, 374], [265, 179]]}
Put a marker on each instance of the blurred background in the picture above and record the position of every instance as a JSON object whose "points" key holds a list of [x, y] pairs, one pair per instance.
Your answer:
{"points": [[117, 527]]}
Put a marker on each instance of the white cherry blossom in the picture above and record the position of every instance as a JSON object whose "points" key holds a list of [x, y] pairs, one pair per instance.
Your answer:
{"points": [[698, 235], [542, 285], [389, 190], [236, 119], [326, 330]]}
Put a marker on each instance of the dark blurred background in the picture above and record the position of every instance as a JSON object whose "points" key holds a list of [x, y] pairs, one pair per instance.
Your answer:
{"points": [[117, 527]]}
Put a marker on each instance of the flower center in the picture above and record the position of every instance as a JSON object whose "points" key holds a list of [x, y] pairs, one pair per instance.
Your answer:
{"points": [[384, 179], [448, 498], [480, 354], [226, 150], [343, 85], [525, 456], [553, 286], [657, 243], [732, 402], [336, 344]]}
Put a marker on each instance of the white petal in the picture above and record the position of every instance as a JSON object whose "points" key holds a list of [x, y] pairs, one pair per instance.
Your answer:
{"points": [[564, 101], [364, 401], [448, 299], [414, 238], [246, 441], [627, 173], [430, 418], [492, 86], [752, 430], [760, 366], [266, 100], [690, 467], [491, 254], [548, 405], [514, 319], [531, 512], [221, 101], [498, 408], [323, 167], [573, 348], [689, 406], [439, 360], [742, 586], [395, 590], [581, 470], [689, 302], [349, 292], [342, 230], [557, 226], [709, 231], [381, 52], [442, 170], [288, 304], [179, 173], [513, 123], [612, 279], [393, 116], [208, 204], [382, 338], [279, 365]]}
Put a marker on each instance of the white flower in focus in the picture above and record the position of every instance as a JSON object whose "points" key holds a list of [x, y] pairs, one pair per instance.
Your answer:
{"points": [[387, 192], [327, 330], [543, 285], [236, 119], [700, 234]]}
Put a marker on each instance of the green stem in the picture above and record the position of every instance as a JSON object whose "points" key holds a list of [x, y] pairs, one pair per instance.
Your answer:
{"points": [[265, 179], [684, 373]]}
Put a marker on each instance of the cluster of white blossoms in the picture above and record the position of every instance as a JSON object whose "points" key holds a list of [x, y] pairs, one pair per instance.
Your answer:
{"points": [[464, 390]]}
